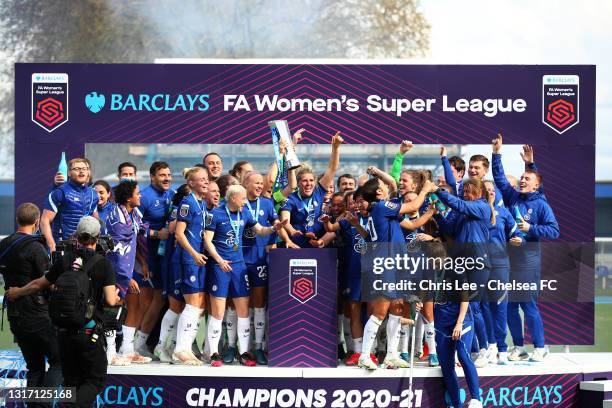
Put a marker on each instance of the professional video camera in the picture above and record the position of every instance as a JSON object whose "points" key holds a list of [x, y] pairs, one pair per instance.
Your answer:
{"points": [[104, 245]]}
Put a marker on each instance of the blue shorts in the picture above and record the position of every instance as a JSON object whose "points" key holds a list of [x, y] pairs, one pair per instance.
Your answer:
{"points": [[352, 290], [122, 283], [193, 279], [258, 275], [138, 276], [232, 284], [174, 281], [155, 263]]}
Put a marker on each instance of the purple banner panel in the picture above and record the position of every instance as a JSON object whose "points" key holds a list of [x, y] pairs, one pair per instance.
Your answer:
{"points": [[551, 107], [554, 390], [302, 308]]}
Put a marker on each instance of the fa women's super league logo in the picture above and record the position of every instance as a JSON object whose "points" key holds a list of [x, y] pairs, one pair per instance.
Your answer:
{"points": [[49, 100], [560, 102]]}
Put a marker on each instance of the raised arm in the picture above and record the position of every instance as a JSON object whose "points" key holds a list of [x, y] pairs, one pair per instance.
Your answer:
{"points": [[528, 157], [292, 183], [449, 176], [334, 161], [508, 192], [398, 161], [386, 178]]}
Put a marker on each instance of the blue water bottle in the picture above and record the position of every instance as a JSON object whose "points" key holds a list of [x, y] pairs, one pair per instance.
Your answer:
{"points": [[63, 166], [518, 218], [161, 249]]}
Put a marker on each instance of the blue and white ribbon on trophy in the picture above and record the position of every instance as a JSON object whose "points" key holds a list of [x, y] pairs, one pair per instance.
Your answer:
{"points": [[282, 175], [288, 160]]}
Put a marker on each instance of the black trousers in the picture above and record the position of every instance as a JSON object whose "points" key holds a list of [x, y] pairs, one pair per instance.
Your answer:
{"points": [[83, 365], [38, 344]]}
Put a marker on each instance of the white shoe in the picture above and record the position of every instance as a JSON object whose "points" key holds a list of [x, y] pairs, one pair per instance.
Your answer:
{"points": [[162, 354], [474, 403], [502, 358], [518, 353], [118, 360], [366, 362], [483, 359], [492, 353], [393, 362], [138, 359], [539, 354], [186, 358]]}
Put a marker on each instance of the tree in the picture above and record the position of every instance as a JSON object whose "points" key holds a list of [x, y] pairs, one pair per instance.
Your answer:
{"points": [[381, 29]]}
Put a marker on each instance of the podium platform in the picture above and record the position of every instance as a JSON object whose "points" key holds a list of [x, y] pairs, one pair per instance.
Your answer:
{"points": [[554, 383]]}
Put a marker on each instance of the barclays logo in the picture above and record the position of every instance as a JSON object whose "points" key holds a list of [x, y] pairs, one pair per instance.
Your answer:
{"points": [[146, 102], [94, 102]]}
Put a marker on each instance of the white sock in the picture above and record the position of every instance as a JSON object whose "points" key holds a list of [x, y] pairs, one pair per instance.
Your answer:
{"points": [[167, 324], [404, 337], [393, 329], [374, 343], [259, 320], [140, 340], [170, 344], [127, 347], [187, 328], [357, 344], [244, 334], [340, 319], [369, 334], [430, 337], [214, 334], [111, 347], [230, 320], [418, 337], [346, 328]]}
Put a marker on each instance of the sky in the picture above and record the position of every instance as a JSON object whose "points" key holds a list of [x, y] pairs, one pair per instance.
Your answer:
{"points": [[531, 32]]}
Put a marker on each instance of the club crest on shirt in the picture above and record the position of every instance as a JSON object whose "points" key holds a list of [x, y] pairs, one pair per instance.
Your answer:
{"points": [[391, 205], [157, 203], [360, 245], [184, 210], [261, 212], [231, 240], [249, 233]]}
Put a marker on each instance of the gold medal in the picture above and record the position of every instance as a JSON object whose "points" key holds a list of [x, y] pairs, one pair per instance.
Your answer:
{"points": [[235, 247]]}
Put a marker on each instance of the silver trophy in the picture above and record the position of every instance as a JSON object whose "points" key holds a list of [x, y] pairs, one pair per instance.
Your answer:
{"points": [[280, 131]]}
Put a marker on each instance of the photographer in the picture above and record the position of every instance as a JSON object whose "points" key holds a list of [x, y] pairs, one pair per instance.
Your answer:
{"points": [[23, 256], [81, 348]]}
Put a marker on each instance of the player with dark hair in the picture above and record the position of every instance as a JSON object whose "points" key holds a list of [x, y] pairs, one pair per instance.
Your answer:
{"points": [[214, 164]]}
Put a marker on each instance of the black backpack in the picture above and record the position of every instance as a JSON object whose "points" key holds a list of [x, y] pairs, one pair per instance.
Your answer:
{"points": [[71, 303]]}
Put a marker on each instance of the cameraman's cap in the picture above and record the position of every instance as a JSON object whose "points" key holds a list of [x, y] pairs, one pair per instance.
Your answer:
{"points": [[88, 225]]}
